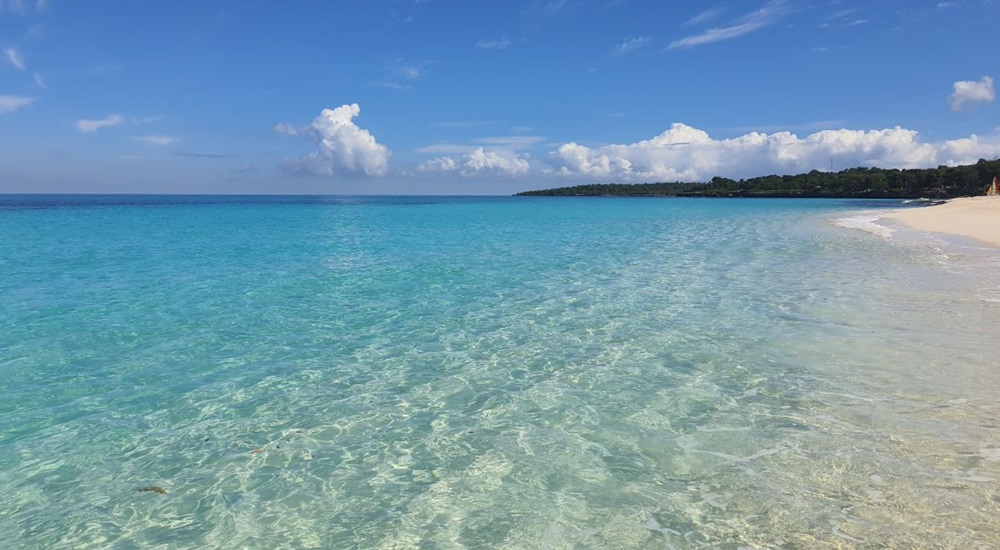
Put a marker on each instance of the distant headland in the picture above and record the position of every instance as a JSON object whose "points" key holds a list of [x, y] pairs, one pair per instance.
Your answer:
{"points": [[863, 183]]}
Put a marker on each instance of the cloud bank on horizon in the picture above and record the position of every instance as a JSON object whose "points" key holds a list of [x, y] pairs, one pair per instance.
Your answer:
{"points": [[681, 153]]}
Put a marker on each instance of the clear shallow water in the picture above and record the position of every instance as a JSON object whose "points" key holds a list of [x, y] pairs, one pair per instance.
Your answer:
{"points": [[509, 372]]}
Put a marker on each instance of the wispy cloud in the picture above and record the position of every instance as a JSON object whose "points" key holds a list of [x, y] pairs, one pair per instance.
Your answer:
{"points": [[445, 149], [765, 16], [705, 17], [286, 129], [14, 56], [493, 44], [540, 12], [547, 8], [87, 126], [20, 7], [629, 45], [400, 73], [971, 91], [13, 6], [408, 72], [494, 143], [392, 85], [512, 143], [40, 81], [11, 103], [156, 140]]}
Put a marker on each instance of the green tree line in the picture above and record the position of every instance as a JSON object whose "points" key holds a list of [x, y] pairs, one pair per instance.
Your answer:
{"points": [[941, 182]]}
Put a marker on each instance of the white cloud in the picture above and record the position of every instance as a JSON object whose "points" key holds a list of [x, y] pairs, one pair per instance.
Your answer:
{"points": [[753, 21], [683, 153], [11, 103], [344, 148], [629, 45], [15, 58], [493, 44], [971, 91], [40, 81], [286, 129], [41, 5], [408, 72], [705, 16], [440, 164], [87, 126], [480, 161], [156, 140]]}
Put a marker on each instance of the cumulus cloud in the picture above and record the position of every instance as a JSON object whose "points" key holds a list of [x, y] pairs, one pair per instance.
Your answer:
{"points": [[765, 16], [11, 103], [156, 140], [87, 126], [683, 153], [971, 91], [480, 161], [15, 58], [344, 148]]}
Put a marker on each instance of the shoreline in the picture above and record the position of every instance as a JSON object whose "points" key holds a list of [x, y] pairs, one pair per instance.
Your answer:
{"points": [[973, 217]]}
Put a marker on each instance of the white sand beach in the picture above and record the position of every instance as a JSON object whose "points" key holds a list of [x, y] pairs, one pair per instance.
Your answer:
{"points": [[975, 217]]}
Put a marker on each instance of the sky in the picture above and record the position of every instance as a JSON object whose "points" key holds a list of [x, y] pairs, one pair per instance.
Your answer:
{"points": [[484, 96]]}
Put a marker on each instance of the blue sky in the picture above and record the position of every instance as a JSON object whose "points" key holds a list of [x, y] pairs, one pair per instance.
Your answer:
{"points": [[483, 97]]}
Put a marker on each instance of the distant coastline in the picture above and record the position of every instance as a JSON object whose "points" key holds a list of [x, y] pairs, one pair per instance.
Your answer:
{"points": [[943, 182]]}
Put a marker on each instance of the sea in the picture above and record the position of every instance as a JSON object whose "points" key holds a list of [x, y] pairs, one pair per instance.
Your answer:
{"points": [[493, 372]]}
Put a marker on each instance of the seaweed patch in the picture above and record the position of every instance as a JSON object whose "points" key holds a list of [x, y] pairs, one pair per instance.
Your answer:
{"points": [[153, 489]]}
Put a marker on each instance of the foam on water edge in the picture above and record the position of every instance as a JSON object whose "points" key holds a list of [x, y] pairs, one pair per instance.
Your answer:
{"points": [[865, 221]]}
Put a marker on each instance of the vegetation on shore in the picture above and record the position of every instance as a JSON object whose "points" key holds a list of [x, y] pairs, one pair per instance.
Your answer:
{"points": [[871, 183]]}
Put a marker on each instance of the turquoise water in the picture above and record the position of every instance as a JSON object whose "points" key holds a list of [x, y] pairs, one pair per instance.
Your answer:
{"points": [[316, 372]]}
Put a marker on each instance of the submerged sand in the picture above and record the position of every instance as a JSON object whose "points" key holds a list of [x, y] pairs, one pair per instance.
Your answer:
{"points": [[975, 217]]}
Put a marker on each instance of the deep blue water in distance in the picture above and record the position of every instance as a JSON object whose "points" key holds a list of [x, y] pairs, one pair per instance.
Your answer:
{"points": [[504, 372]]}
